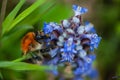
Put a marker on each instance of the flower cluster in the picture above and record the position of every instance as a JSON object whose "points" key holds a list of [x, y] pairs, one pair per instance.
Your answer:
{"points": [[71, 45]]}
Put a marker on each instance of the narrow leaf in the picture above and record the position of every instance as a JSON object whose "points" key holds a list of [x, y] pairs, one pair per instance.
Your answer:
{"points": [[22, 58], [36, 15], [22, 66], [8, 21], [25, 13]]}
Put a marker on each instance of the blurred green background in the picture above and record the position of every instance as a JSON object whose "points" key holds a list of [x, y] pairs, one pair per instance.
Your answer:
{"points": [[19, 16]]}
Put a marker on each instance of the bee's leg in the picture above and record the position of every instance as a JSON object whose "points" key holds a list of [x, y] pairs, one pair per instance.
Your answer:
{"points": [[36, 59], [39, 58], [40, 55], [35, 46]]}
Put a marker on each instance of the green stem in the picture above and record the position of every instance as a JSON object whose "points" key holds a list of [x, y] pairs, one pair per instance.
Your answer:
{"points": [[22, 58]]}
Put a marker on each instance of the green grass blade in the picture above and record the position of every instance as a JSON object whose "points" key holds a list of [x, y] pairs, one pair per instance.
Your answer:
{"points": [[22, 58], [9, 19], [21, 66], [38, 13], [25, 13]]}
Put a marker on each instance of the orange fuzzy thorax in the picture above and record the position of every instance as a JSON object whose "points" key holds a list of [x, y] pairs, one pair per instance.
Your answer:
{"points": [[27, 41]]}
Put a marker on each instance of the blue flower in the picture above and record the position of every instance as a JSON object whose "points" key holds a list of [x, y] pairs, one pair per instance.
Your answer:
{"points": [[74, 44], [95, 40], [79, 10], [79, 71], [47, 28], [93, 74], [67, 57], [53, 52], [78, 78], [54, 70], [89, 27], [68, 50], [53, 61], [75, 7], [92, 56], [55, 26], [82, 53], [87, 64]]}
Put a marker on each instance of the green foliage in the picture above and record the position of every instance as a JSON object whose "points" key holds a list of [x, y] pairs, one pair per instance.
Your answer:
{"points": [[38, 13], [118, 29], [21, 66], [9, 19], [9, 23], [20, 21], [15, 25], [109, 26]]}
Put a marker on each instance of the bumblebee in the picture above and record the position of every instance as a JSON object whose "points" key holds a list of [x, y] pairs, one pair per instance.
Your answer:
{"points": [[29, 43], [33, 41], [39, 44]]}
